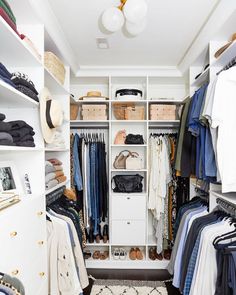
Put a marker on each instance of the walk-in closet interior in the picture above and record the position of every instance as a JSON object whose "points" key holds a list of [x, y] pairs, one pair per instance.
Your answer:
{"points": [[117, 147]]}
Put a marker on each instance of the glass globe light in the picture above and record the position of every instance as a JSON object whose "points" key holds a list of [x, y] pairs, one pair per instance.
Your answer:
{"points": [[135, 29], [135, 10], [113, 19]]}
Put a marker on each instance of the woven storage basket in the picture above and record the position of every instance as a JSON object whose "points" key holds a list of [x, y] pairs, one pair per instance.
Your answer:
{"points": [[94, 112], [55, 66], [119, 109], [162, 112], [134, 113], [74, 109]]}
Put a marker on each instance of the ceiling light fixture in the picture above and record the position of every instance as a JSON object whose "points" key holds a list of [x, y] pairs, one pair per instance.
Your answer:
{"points": [[131, 12]]}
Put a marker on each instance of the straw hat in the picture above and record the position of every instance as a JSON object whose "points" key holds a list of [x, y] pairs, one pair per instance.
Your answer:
{"points": [[223, 48], [93, 94], [51, 115]]}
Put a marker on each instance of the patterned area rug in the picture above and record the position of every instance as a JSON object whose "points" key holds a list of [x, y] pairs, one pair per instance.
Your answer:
{"points": [[118, 287]]}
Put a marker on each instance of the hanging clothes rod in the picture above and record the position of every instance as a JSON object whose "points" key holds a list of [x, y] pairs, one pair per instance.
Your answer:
{"points": [[228, 66], [89, 127], [55, 195], [227, 206]]}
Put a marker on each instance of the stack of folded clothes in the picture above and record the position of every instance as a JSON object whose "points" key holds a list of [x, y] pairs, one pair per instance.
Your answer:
{"points": [[19, 81], [22, 133], [7, 14], [24, 85], [17, 133], [53, 173], [58, 140], [6, 76], [5, 137]]}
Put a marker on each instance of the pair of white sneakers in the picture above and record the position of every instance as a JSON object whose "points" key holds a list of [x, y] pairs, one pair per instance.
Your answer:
{"points": [[119, 253]]}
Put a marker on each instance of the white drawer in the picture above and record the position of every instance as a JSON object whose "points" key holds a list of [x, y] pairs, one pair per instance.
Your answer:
{"points": [[128, 232], [128, 207]]}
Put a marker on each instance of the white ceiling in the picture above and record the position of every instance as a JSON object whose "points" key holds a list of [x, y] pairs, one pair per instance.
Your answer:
{"points": [[172, 27]]}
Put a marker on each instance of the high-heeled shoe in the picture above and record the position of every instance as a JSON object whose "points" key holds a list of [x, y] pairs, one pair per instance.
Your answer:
{"points": [[105, 233]]}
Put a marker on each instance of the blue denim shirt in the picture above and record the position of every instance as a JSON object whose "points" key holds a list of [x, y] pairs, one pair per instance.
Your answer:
{"points": [[77, 172]]}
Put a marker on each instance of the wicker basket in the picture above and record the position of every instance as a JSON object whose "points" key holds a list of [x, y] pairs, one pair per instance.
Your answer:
{"points": [[134, 113], [55, 66], [119, 109], [74, 109]]}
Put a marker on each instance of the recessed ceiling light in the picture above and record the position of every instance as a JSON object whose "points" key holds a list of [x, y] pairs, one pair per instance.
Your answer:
{"points": [[102, 43]]}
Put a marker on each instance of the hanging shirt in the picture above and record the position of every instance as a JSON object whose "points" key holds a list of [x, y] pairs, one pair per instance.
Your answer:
{"points": [[224, 117], [205, 278]]}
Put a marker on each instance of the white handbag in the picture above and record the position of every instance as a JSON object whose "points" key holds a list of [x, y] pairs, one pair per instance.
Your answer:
{"points": [[134, 162]]}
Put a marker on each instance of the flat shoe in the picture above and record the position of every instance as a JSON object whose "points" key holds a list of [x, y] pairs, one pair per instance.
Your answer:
{"points": [[139, 254], [96, 255], [132, 254]]}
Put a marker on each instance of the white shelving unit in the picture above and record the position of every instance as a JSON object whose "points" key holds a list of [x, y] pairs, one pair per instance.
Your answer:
{"points": [[27, 219], [130, 223]]}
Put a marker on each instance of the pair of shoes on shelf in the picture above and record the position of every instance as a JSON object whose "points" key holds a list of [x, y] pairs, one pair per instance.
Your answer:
{"points": [[119, 253], [100, 255], [135, 253], [153, 255]]}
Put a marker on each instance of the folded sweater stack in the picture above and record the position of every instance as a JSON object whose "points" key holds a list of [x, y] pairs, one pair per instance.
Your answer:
{"points": [[7, 14], [19, 81], [17, 133], [53, 173]]}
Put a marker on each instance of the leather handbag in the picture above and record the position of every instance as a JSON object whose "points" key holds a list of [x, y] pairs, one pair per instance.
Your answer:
{"points": [[120, 160], [127, 183], [120, 137], [134, 161], [134, 139]]}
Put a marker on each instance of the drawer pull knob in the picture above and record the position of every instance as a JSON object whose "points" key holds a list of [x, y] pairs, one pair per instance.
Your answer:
{"points": [[42, 274], [40, 242], [128, 198], [40, 213], [13, 234], [128, 222], [15, 272]]}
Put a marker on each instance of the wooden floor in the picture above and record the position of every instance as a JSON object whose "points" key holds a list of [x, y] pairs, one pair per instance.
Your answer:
{"points": [[131, 274]]}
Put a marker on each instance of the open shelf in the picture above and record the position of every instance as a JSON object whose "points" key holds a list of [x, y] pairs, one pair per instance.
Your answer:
{"points": [[92, 101], [56, 187], [8, 148], [53, 84], [165, 101], [13, 51], [225, 57], [10, 97], [56, 150], [204, 77], [97, 244], [93, 124]]}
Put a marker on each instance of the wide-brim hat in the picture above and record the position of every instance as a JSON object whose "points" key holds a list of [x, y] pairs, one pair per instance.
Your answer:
{"points": [[51, 115], [223, 48], [93, 94]]}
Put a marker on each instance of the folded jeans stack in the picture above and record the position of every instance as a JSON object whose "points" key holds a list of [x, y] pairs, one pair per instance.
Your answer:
{"points": [[25, 85], [7, 14], [53, 173], [22, 133], [58, 140]]}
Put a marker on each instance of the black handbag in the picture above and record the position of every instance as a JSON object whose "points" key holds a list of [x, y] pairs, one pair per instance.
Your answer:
{"points": [[134, 139], [128, 183]]}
